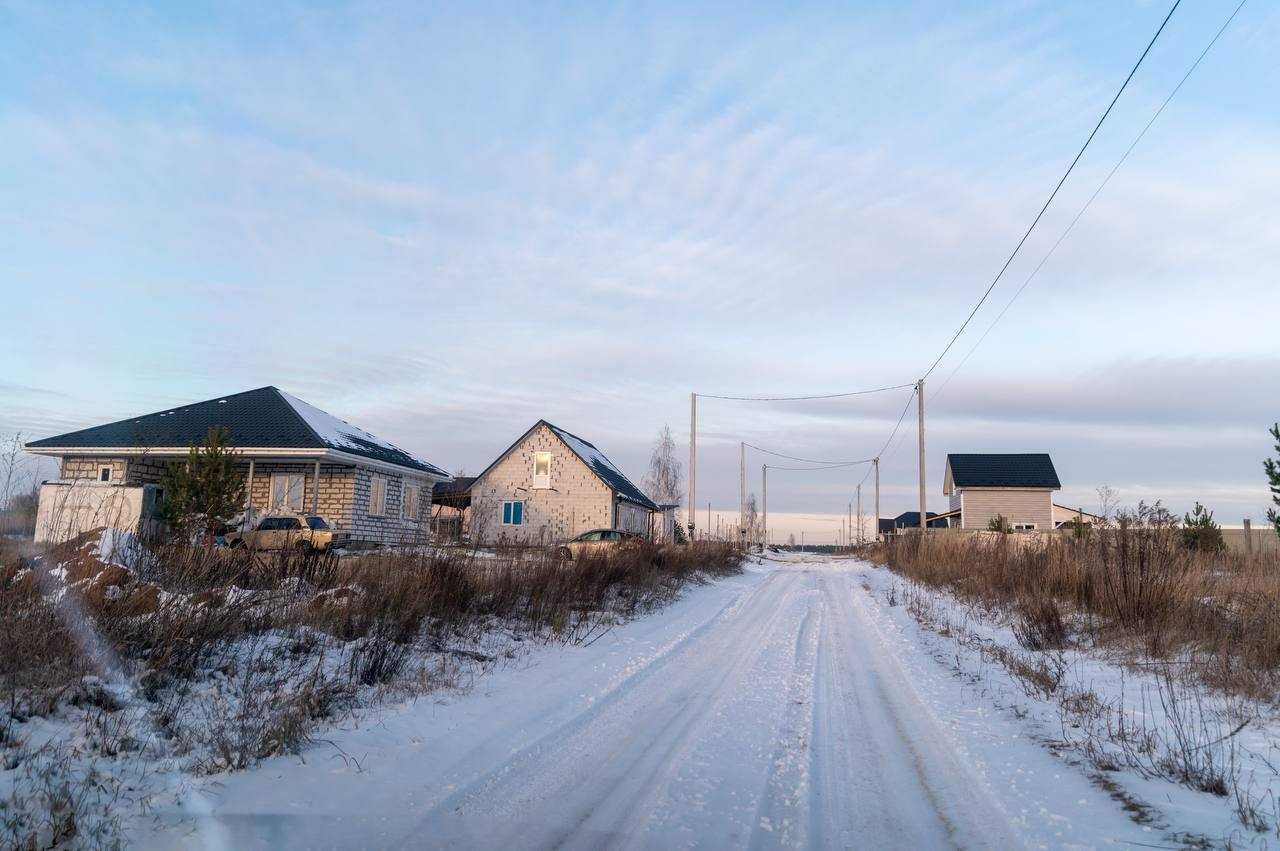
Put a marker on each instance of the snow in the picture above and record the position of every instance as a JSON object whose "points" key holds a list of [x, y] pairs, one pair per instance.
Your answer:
{"points": [[786, 707], [340, 434]]}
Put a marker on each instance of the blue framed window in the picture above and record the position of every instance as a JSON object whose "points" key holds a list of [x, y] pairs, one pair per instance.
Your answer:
{"points": [[513, 513]]}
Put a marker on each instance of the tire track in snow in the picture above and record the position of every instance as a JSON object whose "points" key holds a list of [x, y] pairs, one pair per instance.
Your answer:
{"points": [[597, 766], [780, 818]]}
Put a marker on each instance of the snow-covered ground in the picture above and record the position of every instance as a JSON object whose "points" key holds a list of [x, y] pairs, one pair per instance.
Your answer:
{"points": [[791, 706]]}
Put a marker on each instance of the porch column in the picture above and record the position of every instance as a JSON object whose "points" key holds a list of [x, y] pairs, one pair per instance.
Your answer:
{"points": [[315, 492], [248, 497]]}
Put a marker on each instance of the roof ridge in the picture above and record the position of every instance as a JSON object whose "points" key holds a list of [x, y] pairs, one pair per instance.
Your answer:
{"points": [[285, 397]]}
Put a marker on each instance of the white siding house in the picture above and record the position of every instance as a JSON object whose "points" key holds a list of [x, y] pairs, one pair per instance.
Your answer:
{"points": [[1017, 487]]}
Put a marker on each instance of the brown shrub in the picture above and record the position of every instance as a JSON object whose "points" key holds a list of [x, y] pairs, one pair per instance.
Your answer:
{"points": [[1141, 587]]}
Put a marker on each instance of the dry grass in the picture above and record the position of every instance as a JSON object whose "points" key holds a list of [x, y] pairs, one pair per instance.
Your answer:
{"points": [[1128, 587], [227, 658]]}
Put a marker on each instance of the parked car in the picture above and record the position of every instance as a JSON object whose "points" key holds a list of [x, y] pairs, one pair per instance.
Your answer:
{"points": [[597, 541], [280, 532]]}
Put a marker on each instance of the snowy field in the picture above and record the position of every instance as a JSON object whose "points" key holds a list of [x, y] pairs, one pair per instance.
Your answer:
{"points": [[797, 705]]}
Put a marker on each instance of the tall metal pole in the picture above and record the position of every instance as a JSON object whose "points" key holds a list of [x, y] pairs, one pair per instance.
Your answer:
{"points": [[876, 462], [742, 491], [764, 502], [920, 427], [693, 463]]}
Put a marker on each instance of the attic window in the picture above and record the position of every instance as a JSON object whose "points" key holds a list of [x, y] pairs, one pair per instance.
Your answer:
{"points": [[542, 469]]}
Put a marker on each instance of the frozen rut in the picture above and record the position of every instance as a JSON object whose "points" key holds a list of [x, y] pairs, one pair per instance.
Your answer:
{"points": [[761, 712]]}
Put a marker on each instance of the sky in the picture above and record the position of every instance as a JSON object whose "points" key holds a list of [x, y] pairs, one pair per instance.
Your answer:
{"points": [[445, 222]]}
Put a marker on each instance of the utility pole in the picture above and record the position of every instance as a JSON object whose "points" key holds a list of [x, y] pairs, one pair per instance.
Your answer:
{"points": [[708, 517], [742, 491], [764, 502], [920, 427], [876, 463], [693, 464], [859, 512]]}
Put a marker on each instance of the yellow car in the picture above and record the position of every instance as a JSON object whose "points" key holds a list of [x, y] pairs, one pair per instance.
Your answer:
{"points": [[308, 533]]}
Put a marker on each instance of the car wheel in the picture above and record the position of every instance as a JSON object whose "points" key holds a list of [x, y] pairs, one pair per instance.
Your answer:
{"points": [[303, 547]]}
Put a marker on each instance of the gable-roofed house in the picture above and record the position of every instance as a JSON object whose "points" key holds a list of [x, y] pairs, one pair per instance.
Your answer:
{"points": [[1017, 487], [551, 485], [295, 457]]}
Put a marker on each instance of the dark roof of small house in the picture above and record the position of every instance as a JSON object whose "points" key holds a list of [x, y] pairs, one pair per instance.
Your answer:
{"points": [[885, 524], [603, 467], [456, 493], [911, 520], [593, 458], [1024, 470], [266, 418]]}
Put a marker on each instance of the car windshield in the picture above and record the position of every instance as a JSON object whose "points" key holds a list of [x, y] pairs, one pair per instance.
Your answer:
{"points": [[590, 536], [316, 523]]}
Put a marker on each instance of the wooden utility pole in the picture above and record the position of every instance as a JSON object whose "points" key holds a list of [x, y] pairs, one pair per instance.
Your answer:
{"points": [[742, 491], [764, 502], [876, 463], [920, 427], [1248, 538], [859, 512], [708, 517], [693, 464]]}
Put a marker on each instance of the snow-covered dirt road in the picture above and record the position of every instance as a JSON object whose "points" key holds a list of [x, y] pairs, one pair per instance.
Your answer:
{"points": [[786, 707]]}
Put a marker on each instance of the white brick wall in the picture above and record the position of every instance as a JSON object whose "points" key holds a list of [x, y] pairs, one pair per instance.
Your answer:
{"points": [[576, 502]]}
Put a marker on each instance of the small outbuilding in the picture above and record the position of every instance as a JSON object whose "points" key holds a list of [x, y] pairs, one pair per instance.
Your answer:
{"points": [[1017, 487]]}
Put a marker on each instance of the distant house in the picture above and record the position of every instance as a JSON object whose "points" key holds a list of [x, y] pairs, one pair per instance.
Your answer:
{"points": [[551, 485], [1065, 515], [451, 508], [911, 520], [1017, 487], [295, 457]]}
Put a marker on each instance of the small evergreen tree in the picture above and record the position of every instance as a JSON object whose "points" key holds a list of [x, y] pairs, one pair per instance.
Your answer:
{"points": [[1199, 532], [203, 491], [1272, 468], [999, 523]]}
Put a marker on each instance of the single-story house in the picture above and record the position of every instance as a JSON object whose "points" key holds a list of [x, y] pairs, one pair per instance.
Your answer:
{"points": [[908, 520], [1065, 515], [295, 458], [550, 486], [1017, 487]]}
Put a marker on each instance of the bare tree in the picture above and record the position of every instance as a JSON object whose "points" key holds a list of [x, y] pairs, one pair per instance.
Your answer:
{"points": [[664, 482], [1108, 501], [752, 518]]}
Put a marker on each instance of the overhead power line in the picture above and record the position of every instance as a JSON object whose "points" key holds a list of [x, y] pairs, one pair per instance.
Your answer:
{"points": [[1054, 193], [893, 433], [795, 458], [825, 467], [801, 398], [1096, 193]]}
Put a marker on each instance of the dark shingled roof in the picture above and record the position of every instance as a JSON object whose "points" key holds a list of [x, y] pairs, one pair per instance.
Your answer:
{"points": [[603, 467], [1026, 470], [456, 493], [911, 520], [266, 418]]}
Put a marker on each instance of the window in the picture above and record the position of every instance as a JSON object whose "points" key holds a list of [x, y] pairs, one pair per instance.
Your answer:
{"points": [[513, 513], [377, 496], [409, 505], [287, 491], [104, 473], [314, 522], [542, 469], [1024, 527]]}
